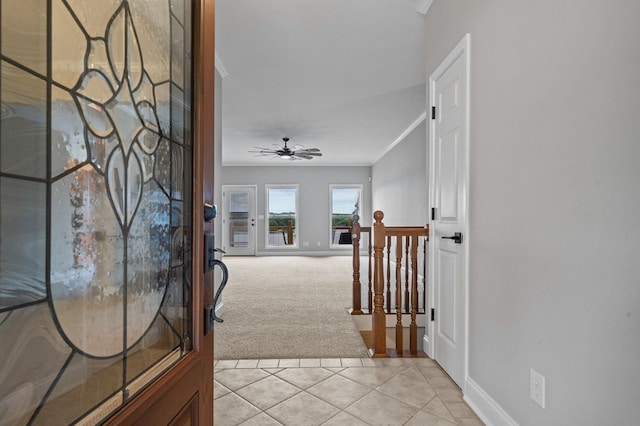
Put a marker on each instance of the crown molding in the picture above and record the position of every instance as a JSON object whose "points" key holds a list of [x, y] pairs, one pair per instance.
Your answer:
{"points": [[422, 6], [220, 68]]}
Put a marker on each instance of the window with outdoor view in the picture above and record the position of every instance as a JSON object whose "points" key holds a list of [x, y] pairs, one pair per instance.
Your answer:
{"points": [[282, 216], [345, 202]]}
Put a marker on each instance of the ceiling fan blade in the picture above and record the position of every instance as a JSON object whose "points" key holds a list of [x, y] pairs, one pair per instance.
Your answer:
{"points": [[298, 152], [264, 151]]}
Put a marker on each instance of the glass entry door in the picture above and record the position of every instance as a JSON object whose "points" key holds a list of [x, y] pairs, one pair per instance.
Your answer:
{"points": [[239, 220], [95, 204]]}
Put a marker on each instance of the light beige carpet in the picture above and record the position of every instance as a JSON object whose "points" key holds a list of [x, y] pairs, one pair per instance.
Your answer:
{"points": [[288, 307]]}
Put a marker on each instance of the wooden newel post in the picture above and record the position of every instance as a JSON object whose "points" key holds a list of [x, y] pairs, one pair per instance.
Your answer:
{"points": [[355, 239], [379, 325]]}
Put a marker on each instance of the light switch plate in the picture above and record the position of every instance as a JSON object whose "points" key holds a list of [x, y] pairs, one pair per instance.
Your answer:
{"points": [[537, 388]]}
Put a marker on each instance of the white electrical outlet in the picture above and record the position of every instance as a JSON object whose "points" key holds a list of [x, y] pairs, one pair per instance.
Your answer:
{"points": [[305, 243], [537, 388], [318, 243]]}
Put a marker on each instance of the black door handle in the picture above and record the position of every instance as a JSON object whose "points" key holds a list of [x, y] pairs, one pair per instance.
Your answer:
{"points": [[210, 212], [223, 283], [457, 237], [210, 311]]}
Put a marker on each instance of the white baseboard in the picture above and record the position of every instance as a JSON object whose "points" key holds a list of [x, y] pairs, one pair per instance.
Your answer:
{"points": [[489, 411], [425, 345]]}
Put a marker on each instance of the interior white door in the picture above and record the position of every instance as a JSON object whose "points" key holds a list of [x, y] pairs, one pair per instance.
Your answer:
{"points": [[449, 221], [239, 220]]}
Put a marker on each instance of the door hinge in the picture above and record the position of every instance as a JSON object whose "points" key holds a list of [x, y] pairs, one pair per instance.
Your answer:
{"points": [[433, 213], [433, 113], [433, 314]]}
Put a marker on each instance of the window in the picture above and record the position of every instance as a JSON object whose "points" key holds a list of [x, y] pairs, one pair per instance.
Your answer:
{"points": [[345, 202], [282, 216]]}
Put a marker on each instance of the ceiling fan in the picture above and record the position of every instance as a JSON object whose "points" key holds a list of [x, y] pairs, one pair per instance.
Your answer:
{"points": [[296, 153]]}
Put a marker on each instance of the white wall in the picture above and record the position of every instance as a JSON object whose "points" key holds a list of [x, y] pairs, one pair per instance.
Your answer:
{"points": [[555, 202], [217, 177], [399, 181], [217, 156], [313, 196]]}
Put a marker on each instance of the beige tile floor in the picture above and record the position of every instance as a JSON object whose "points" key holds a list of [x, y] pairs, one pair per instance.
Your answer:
{"points": [[336, 392]]}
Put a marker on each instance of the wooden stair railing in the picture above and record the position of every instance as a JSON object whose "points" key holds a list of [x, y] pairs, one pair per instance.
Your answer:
{"points": [[407, 238], [356, 235]]}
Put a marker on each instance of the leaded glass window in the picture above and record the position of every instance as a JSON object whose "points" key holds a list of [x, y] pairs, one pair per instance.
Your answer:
{"points": [[95, 203]]}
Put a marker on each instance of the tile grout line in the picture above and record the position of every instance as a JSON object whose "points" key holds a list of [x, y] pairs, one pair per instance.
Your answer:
{"points": [[331, 366]]}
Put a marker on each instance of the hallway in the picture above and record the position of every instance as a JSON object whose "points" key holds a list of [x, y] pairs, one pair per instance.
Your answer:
{"points": [[333, 391]]}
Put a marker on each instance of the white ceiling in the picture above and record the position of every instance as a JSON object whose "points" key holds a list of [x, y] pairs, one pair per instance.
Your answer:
{"points": [[345, 76]]}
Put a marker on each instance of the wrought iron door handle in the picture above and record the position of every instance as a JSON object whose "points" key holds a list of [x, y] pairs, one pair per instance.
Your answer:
{"points": [[457, 237], [210, 212], [223, 283], [210, 311]]}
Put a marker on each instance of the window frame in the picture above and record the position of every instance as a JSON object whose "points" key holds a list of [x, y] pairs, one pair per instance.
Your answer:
{"points": [[296, 235], [360, 188]]}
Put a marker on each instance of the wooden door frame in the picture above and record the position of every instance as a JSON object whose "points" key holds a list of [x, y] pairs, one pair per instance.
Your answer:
{"points": [[461, 49], [156, 404]]}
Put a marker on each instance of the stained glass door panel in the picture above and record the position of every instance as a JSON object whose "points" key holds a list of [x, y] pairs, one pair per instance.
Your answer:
{"points": [[95, 187]]}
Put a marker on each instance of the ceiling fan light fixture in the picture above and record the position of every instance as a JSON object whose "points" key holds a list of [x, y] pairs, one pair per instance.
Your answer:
{"points": [[284, 152]]}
